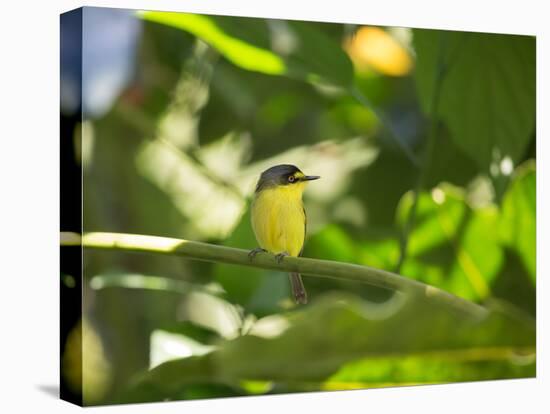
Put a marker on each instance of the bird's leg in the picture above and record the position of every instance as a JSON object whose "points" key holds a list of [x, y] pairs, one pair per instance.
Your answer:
{"points": [[252, 254], [279, 257]]}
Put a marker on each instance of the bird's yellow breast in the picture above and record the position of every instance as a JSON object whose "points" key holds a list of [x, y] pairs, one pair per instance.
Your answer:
{"points": [[278, 219]]}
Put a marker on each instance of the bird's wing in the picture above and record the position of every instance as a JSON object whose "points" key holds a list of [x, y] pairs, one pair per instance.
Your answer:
{"points": [[305, 232]]}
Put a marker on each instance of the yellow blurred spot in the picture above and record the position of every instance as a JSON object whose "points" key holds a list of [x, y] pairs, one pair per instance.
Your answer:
{"points": [[373, 47], [85, 366], [71, 366], [257, 387]]}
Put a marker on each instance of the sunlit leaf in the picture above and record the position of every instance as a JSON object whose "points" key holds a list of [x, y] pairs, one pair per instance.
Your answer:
{"points": [[429, 231], [487, 95], [518, 220], [239, 52], [257, 387], [452, 245], [212, 206], [432, 368]]}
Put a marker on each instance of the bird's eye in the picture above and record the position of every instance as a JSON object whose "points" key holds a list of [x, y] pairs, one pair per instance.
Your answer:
{"points": [[291, 179]]}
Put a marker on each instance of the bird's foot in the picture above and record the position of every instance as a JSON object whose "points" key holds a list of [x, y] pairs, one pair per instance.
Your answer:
{"points": [[279, 257], [252, 254]]}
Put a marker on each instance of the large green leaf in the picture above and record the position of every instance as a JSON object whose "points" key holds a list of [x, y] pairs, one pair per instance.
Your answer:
{"points": [[487, 96], [518, 218], [337, 330], [247, 43], [452, 246]]}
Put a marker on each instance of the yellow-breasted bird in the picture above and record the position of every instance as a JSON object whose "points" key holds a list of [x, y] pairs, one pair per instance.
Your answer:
{"points": [[279, 219]]}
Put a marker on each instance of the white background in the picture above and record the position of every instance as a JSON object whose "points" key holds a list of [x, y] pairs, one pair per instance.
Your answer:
{"points": [[29, 206]]}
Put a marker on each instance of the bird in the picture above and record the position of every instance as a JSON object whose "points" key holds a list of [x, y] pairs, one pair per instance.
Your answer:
{"points": [[278, 217]]}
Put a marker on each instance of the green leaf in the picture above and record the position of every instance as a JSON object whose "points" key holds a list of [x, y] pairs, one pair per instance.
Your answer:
{"points": [[487, 96], [237, 51], [474, 364], [246, 43], [452, 246], [337, 330], [518, 218]]}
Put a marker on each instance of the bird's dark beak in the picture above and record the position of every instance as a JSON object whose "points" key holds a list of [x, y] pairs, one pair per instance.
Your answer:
{"points": [[311, 177]]}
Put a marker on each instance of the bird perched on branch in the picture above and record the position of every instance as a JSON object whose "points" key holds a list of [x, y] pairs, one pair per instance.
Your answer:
{"points": [[279, 218]]}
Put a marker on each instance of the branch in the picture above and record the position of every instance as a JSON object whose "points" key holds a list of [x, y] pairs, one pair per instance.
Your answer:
{"points": [[310, 267]]}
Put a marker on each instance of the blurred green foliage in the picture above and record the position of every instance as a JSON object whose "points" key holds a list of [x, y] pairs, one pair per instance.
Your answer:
{"points": [[453, 245], [216, 100], [310, 55]]}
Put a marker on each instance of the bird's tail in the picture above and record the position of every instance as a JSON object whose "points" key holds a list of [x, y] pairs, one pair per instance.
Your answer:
{"points": [[298, 289]]}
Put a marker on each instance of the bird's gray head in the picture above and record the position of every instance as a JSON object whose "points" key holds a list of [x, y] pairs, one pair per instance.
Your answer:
{"points": [[283, 174]]}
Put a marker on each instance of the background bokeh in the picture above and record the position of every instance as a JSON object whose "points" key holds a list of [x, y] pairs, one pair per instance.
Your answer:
{"points": [[426, 146]]}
